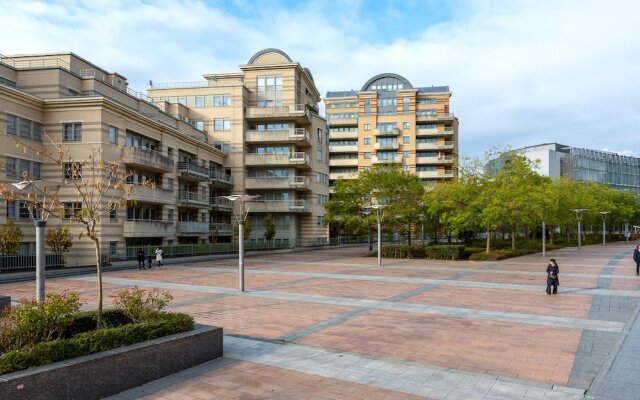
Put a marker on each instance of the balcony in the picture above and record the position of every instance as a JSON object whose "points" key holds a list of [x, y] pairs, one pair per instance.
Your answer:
{"points": [[193, 171], [297, 159], [192, 199], [300, 183], [298, 136], [386, 146], [298, 113], [343, 162], [434, 174], [221, 179], [389, 132], [334, 176], [280, 206], [376, 160], [146, 228], [221, 229], [434, 160], [147, 194], [342, 121], [278, 183], [343, 149], [422, 117], [192, 228], [147, 159], [220, 204], [435, 146], [343, 135]]}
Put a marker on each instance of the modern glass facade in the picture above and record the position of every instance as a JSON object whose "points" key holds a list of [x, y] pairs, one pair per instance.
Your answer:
{"points": [[617, 171]]}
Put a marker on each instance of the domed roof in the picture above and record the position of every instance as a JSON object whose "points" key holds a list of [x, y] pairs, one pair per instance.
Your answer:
{"points": [[386, 79], [268, 56]]}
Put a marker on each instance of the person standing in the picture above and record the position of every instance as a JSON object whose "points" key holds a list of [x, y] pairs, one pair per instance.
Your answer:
{"points": [[636, 258], [140, 259], [159, 256], [552, 276]]}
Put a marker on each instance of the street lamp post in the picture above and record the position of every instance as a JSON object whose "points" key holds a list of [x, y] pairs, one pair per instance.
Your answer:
{"points": [[544, 240], [241, 216], [579, 212], [603, 214], [378, 210]]}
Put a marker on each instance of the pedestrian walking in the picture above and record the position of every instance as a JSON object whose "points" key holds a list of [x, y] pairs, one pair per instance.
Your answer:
{"points": [[552, 276], [636, 258], [159, 256], [149, 260], [141, 259]]}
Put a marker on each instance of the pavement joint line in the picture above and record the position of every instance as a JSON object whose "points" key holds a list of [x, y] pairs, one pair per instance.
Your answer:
{"points": [[443, 282], [532, 319], [438, 383]]}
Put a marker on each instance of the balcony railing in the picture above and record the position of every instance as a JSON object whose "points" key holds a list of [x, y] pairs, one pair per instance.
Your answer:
{"points": [[149, 194], [221, 204], [192, 228], [285, 112], [221, 177], [294, 135], [147, 228], [189, 169], [300, 182], [344, 149], [387, 132], [433, 116], [280, 206], [343, 121], [149, 159], [295, 159], [342, 175], [434, 160], [386, 146], [221, 229], [343, 162], [376, 160], [192, 199], [344, 135]]}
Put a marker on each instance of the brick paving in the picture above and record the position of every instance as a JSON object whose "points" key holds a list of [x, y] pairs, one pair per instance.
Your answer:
{"points": [[328, 324]]}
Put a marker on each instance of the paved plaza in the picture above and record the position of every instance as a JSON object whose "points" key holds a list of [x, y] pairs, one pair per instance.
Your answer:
{"points": [[329, 324]]}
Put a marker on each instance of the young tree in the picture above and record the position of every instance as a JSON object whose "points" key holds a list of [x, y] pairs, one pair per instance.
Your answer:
{"points": [[98, 185], [59, 239], [10, 238], [269, 227], [246, 231]]}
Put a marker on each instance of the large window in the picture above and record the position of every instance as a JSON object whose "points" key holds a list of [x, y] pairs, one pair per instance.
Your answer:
{"points": [[269, 90], [139, 141], [72, 171], [72, 132], [16, 168], [113, 135], [221, 101], [71, 209], [23, 127], [268, 173], [222, 124], [276, 126]]}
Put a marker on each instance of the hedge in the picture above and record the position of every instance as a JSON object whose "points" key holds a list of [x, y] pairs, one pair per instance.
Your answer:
{"points": [[93, 341], [444, 252]]}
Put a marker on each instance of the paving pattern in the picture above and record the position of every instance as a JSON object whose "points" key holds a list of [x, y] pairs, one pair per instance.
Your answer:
{"points": [[328, 324]]}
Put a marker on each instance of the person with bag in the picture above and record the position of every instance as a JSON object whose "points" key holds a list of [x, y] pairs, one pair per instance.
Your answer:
{"points": [[636, 258], [159, 256], [552, 276]]}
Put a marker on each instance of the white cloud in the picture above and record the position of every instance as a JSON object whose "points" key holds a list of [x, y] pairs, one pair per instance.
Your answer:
{"points": [[521, 72]]}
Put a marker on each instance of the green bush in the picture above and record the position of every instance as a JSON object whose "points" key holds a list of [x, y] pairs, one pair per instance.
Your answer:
{"points": [[138, 304], [396, 251], [93, 341], [444, 252]]}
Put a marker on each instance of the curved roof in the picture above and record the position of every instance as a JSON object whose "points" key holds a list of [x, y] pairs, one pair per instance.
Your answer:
{"points": [[309, 73], [269, 50], [407, 84]]}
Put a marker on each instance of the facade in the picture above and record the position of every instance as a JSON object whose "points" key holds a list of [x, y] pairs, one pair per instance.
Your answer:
{"points": [[556, 160], [176, 145], [390, 122]]}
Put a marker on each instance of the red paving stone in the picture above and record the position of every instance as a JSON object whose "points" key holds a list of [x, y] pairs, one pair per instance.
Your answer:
{"points": [[461, 343], [516, 279], [347, 288]]}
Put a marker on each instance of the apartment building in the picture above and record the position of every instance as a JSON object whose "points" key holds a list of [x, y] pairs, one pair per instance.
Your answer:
{"points": [[266, 117], [391, 122], [256, 132]]}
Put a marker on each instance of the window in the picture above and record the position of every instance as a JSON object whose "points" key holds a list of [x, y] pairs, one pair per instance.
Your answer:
{"points": [[366, 141], [269, 90], [113, 248], [406, 125], [425, 168], [18, 168], [367, 168], [221, 100], [72, 171], [367, 127], [320, 136], [405, 104], [198, 124], [23, 127], [170, 215], [199, 101], [406, 140], [405, 154], [113, 214], [113, 135], [222, 124], [169, 183], [367, 106], [136, 140], [320, 220], [11, 210], [72, 132], [405, 168], [170, 152], [367, 154], [319, 155], [322, 199], [71, 209]]}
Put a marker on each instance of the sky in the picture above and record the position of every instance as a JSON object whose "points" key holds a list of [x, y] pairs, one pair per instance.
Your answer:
{"points": [[522, 72]]}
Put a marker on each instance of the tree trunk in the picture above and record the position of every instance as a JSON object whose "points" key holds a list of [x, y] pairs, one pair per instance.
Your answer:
{"points": [[513, 239], [488, 240], [409, 234], [550, 236], [99, 272]]}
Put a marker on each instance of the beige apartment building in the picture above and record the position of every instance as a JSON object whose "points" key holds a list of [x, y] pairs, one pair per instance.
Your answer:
{"points": [[196, 143], [391, 122]]}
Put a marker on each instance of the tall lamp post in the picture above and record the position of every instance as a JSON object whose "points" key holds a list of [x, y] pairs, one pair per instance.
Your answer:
{"points": [[39, 214], [241, 215], [377, 208], [603, 214], [544, 240], [579, 212]]}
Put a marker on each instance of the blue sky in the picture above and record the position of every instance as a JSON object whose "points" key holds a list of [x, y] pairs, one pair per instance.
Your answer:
{"points": [[522, 72]]}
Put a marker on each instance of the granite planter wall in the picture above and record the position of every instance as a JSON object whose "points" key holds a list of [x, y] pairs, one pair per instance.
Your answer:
{"points": [[104, 374]]}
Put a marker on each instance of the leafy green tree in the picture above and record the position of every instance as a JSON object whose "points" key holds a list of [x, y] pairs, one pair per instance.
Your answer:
{"points": [[246, 230], [269, 227], [59, 239], [10, 238]]}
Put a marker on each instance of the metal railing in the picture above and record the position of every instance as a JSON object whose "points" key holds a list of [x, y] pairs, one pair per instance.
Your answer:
{"points": [[15, 263], [193, 169], [150, 158], [192, 198], [175, 85]]}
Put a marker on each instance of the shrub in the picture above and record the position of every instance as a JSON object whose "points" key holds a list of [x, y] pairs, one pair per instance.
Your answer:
{"points": [[444, 252], [396, 251], [31, 322], [137, 304]]}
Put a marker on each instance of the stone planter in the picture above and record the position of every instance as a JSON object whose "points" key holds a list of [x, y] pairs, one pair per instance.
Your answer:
{"points": [[110, 372], [5, 301]]}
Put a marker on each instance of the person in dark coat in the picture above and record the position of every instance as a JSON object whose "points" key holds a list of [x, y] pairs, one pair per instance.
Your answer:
{"points": [[552, 276], [141, 259], [636, 258]]}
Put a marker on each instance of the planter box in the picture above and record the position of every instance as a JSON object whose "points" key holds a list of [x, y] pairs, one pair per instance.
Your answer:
{"points": [[5, 301], [110, 372]]}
